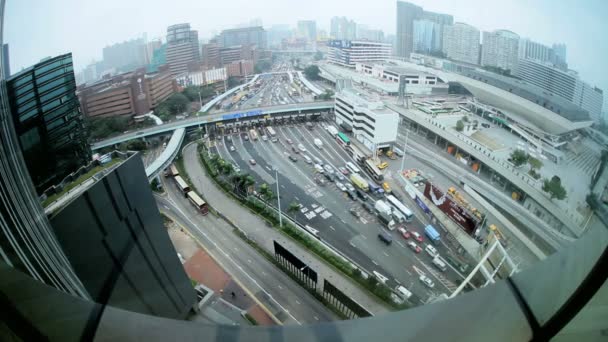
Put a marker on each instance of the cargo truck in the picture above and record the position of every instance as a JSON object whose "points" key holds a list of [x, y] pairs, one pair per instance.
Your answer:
{"points": [[432, 234], [383, 207], [332, 130], [359, 182]]}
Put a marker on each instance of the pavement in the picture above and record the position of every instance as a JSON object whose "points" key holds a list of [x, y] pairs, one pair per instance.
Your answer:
{"points": [[273, 290], [259, 231]]}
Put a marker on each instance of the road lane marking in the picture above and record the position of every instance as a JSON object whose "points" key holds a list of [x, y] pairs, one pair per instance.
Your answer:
{"points": [[352, 244], [375, 263], [385, 253], [297, 302], [332, 228], [400, 244]]}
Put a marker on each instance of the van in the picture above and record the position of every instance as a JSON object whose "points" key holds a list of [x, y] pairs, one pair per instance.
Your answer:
{"points": [[307, 160], [430, 250], [403, 292], [385, 237], [398, 216], [439, 263]]}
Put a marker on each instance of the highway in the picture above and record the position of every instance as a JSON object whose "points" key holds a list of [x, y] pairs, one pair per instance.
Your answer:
{"points": [[286, 299]]}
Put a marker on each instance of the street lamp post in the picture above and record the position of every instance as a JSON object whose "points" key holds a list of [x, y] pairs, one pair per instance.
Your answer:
{"points": [[276, 175]]}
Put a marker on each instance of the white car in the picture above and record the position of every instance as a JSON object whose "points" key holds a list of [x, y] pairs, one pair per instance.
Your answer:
{"points": [[427, 281], [328, 168], [264, 137], [340, 186], [232, 149], [301, 148], [380, 277], [349, 187]]}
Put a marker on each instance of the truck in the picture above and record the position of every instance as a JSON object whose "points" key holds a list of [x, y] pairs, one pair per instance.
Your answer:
{"points": [[387, 220], [432, 234], [318, 143], [332, 130], [382, 207], [359, 182]]}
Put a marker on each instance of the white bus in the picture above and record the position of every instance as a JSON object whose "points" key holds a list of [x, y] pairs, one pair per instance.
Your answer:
{"points": [[352, 168], [271, 132], [402, 208]]}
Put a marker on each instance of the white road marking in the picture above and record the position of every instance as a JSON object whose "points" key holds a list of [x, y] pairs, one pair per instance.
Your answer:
{"points": [[297, 302], [166, 207], [352, 244], [375, 263], [332, 228], [400, 244], [317, 318], [385, 253]]}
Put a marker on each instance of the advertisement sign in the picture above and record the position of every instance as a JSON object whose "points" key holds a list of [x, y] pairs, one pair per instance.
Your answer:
{"points": [[340, 44], [422, 205], [454, 211]]}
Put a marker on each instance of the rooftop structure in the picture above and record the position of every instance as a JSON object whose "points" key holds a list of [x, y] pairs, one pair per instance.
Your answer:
{"points": [[461, 43], [347, 53]]}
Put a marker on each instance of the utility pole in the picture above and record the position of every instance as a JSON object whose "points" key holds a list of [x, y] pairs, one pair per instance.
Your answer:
{"points": [[407, 133], [276, 175]]}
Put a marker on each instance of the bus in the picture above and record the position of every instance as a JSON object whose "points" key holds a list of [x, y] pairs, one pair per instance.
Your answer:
{"points": [[402, 208], [342, 139], [198, 202], [373, 170], [271, 132], [182, 185], [171, 171], [253, 134], [352, 167]]}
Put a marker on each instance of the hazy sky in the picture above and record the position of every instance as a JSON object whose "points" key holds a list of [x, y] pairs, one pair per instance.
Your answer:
{"points": [[36, 28]]}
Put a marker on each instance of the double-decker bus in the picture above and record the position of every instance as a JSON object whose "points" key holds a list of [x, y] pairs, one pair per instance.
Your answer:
{"points": [[400, 207], [342, 139], [373, 170], [182, 185], [271, 132], [253, 134], [198, 202]]}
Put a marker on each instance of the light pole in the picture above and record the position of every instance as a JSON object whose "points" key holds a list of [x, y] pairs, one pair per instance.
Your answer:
{"points": [[307, 273], [276, 175], [407, 133]]}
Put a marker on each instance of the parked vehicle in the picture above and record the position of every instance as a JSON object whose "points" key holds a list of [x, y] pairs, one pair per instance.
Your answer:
{"points": [[386, 187], [380, 277], [382, 165]]}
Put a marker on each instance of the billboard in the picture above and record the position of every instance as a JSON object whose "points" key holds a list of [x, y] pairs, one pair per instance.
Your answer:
{"points": [[340, 44], [454, 211]]}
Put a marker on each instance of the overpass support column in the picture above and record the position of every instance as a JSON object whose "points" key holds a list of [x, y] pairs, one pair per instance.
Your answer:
{"points": [[436, 136]]}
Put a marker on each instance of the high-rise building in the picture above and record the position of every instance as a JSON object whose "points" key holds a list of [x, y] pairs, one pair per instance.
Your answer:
{"points": [[277, 33], [125, 56], [461, 43], [427, 36], [406, 14], [348, 53], [559, 53], [440, 20], [48, 122], [159, 58], [6, 57], [565, 84], [343, 29], [500, 49], [211, 55], [182, 48], [307, 29], [114, 238], [532, 50], [243, 36]]}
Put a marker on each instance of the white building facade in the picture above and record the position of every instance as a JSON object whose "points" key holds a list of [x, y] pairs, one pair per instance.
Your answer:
{"points": [[201, 78], [347, 53], [500, 49], [461, 43], [374, 125], [417, 82]]}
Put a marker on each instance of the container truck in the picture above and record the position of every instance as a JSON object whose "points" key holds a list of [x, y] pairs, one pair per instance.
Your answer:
{"points": [[359, 182], [318, 143], [432, 233], [383, 207]]}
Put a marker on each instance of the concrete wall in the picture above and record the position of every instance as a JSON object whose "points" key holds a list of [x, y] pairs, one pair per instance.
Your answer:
{"points": [[114, 238]]}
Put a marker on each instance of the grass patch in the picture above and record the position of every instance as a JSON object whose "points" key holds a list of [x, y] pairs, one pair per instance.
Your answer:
{"points": [[79, 181]]}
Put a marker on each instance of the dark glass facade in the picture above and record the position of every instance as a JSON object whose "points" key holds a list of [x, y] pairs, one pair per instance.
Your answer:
{"points": [[48, 121]]}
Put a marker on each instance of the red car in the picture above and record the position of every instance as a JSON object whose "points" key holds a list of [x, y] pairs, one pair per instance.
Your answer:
{"points": [[414, 246], [417, 236], [404, 233]]}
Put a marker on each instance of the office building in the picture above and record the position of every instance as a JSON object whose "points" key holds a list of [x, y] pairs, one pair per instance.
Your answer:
{"points": [[48, 121], [129, 94], [427, 36], [239, 68], [565, 84], [159, 58], [347, 53], [365, 33], [182, 48], [500, 49], [211, 55], [406, 14], [529, 49], [125, 56], [461, 43], [202, 77], [374, 125], [6, 57], [243, 36], [114, 238], [343, 29], [307, 29]]}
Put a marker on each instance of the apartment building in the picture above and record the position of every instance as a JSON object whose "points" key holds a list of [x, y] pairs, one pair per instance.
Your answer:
{"points": [[349, 52]]}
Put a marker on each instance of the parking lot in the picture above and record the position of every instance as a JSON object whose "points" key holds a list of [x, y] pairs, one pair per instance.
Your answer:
{"points": [[340, 220]]}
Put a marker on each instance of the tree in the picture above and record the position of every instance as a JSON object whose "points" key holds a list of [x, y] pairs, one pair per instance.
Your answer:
{"points": [[318, 56], [554, 188], [535, 163], [177, 103], [191, 92], [312, 72], [136, 145], [262, 66], [519, 158], [592, 201], [233, 82], [103, 127], [459, 125]]}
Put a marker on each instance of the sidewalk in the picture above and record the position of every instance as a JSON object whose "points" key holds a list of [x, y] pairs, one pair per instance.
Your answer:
{"points": [[259, 231]]}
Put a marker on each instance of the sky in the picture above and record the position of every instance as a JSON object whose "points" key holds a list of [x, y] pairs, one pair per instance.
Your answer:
{"points": [[35, 29]]}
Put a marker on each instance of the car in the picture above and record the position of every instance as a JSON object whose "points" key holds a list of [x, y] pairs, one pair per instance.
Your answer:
{"points": [[318, 161], [232, 149], [427, 281], [328, 168], [351, 194], [417, 236], [340, 186], [229, 138], [361, 194], [301, 148], [320, 180], [319, 168], [264, 138], [383, 165], [295, 150], [404, 233], [330, 177], [246, 137], [430, 250], [413, 246], [340, 177], [385, 237], [293, 159], [274, 140], [289, 141], [349, 187], [386, 187], [252, 161], [354, 212], [343, 170]]}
